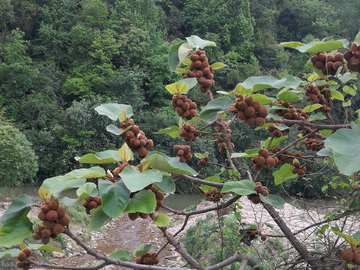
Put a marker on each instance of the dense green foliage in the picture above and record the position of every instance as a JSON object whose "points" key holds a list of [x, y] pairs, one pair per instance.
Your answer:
{"points": [[58, 56]]}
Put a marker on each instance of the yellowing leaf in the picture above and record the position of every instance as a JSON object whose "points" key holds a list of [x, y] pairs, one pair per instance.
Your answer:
{"points": [[312, 107], [44, 193], [218, 65], [177, 88], [124, 153], [187, 61], [313, 78], [122, 116], [180, 71]]}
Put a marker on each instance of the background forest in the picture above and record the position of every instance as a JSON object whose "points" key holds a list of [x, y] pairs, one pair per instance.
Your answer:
{"points": [[60, 59]]}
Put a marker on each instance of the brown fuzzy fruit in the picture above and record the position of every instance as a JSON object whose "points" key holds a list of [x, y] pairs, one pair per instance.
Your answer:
{"points": [[20, 264], [356, 259], [42, 216], [258, 168], [250, 121], [263, 152], [52, 215], [45, 241], [263, 237], [319, 65], [58, 228], [21, 256], [249, 100], [296, 164], [241, 115], [159, 195], [270, 162], [27, 251], [54, 204], [61, 212], [260, 161], [45, 208], [347, 255], [65, 221], [256, 199], [249, 111], [259, 121], [263, 112], [144, 216], [242, 105], [133, 216], [45, 233]]}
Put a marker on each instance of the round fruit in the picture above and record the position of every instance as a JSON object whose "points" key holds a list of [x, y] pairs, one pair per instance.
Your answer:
{"points": [[242, 105], [27, 251], [143, 215], [270, 162], [54, 204], [263, 112], [48, 224], [58, 228], [133, 216], [249, 111], [65, 220], [45, 233], [45, 240], [263, 237], [159, 195], [250, 121], [42, 216], [347, 255], [52, 215], [20, 264], [249, 100], [45, 208], [263, 152], [61, 212], [356, 259], [21, 256], [259, 121], [260, 161]]}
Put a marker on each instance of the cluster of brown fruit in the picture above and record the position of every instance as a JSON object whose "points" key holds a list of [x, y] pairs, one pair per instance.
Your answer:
{"points": [[213, 195], [264, 159], [350, 255], [260, 189], [250, 111], [250, 235], [277, 133], [147, 258], [318, 95], [159, 198], [136, 139], [328, 63], [286, 156], [203, 162], [291, 112], [183, 152], [314, 144], [54, 219], [200, 69], [298, 169], [352, 56], [220, 141], [22, 256], [184, 106], [189, 133], [91, 203]]}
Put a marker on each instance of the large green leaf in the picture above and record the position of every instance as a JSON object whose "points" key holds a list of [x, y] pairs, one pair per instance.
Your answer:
{"points": [[274, 142], [14, 232], [88, 189], [121, 255], [262, 99], [99, 218], [57, 184], [162, 220], [115, 197], [177, 88], [288, 96], [44, 247], [19, 207], [162, 162], [264, 82], [195, 41], [135, 180], [114, 129], [211, 110], [316, 46], [274, 200], [283, 174], [190, 81], [312, 107], [173, 131], [316, 117], [348, 238], [11, 253], [143, 201], [142, 249], [345, 145], [243, 187], [183, 51], [213, 179], [113, 110], [174, 61], [166, 185], [104, 157]]}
